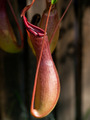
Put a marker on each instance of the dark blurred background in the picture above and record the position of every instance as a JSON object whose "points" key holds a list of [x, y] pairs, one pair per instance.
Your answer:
{"points": [[71, 56]]}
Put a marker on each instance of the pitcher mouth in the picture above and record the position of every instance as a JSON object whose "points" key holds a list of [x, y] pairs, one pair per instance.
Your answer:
{"points": [[37, 31]]}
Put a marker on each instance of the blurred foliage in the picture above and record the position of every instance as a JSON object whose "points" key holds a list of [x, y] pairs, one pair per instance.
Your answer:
{"points": [[87, 116]]}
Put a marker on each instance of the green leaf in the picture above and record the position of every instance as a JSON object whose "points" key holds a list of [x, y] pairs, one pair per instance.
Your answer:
{"points": [[53, 1]]}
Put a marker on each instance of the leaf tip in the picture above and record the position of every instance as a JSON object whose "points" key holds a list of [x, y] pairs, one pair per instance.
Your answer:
{"points": [[53, 1]]}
